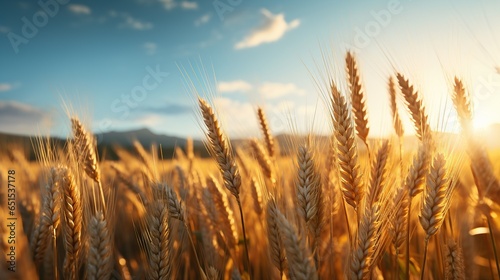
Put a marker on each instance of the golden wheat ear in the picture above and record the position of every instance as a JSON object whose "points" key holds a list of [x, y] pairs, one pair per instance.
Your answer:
{"points": [[299, 259], [347, 151], [276, 247], [358, 99], [416, 108], [160, 255], [309, 191], [72, 226], [85, 149], [49, 216], [396, 119], [100, 255], [266, 132], [219, 147], [454, 261], [264, 160], [220, 150]]}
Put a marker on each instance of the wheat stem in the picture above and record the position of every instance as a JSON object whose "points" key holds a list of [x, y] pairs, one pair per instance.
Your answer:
{"points": [[426, 245]]}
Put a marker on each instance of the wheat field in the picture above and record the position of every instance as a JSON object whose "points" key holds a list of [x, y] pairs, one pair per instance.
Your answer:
{"points": [[344, 206]]}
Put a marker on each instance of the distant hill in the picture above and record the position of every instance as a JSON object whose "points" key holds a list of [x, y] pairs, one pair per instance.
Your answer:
{"points": [[109, 141], [145, 136]]}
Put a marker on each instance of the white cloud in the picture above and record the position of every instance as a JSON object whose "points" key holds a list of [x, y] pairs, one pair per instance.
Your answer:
{"points": [[273, 29], [270, 90], [238, 118], [19, 118], [130, 22], [234, 86], [4, 29], [79, 9], [188, 5], [136, 24], [150, 47], [172, 4], [5, 87], [204, 19]]}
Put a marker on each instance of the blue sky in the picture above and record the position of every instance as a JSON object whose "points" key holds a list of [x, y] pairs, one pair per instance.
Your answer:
{"points": [[118, 64]]}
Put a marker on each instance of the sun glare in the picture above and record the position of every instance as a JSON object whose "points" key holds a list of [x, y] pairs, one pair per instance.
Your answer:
{"points": [[481, 122]]}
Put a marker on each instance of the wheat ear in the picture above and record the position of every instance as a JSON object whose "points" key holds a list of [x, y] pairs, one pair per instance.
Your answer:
{"points": [[347, 152], [309, 191], [219, 147], [176, 211], [300, 264], [145, 157], [362, 255], [276, 251], [160, 254], [487, 182], [85, 144], [437, 198], [225, 215], [378, 172], [220, 150], [100, 256], [396, 119], [72, 226], [416, 108], [357, 98], [454, 262], [256, 196], [266, 132], [50, 216], [414, 184], [263, 160], [462, 104]]}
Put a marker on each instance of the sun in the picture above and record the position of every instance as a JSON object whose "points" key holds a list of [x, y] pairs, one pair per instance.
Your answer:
{"points": [[481, 122]]}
